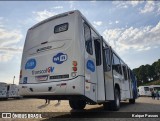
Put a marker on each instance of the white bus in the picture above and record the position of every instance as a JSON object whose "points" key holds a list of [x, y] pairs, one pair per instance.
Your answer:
{"points": [[13, 91], [154, 87], [144, 91], [65, 58], [3, 90]]}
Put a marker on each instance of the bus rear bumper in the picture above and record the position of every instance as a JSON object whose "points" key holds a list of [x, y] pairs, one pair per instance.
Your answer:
{"points": [[49, 89]]}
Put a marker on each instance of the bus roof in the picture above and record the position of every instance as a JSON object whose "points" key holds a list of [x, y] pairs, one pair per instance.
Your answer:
{"points": [[53, 17], [78, 12]]}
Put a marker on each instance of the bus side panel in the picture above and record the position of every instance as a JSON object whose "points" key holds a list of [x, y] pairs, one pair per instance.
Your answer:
{"points": [[109, 86], [118, 79], [127, 88], [78, 49], [131, 92]]}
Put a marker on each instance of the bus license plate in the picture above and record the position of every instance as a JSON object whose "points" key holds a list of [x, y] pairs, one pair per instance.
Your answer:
{"points": [[42, 78]]}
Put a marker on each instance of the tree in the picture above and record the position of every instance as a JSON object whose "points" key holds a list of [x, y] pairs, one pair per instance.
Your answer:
{"points": [[142, 74], [147, 72]]}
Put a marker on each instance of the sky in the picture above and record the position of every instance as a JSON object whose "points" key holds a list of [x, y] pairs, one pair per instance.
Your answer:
{"points": [[132, 28]]}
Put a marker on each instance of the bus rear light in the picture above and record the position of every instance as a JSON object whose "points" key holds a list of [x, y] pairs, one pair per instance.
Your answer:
{"points": [[74, 68], [20, 75]]}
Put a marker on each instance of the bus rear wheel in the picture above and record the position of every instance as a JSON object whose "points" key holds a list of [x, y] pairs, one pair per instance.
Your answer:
{"points": [[115, 104], [132, 101], [77, 104]]}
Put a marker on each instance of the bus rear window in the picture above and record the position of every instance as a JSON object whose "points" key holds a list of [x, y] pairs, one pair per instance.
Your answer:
{"points": [[61, 28]]}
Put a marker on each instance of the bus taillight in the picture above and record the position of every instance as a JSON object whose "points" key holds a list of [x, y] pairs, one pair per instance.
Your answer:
{"points": [[74, 68], [74, 63]]}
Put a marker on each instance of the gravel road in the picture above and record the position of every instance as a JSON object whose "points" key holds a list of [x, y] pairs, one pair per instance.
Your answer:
{"points": [[143, 104]]}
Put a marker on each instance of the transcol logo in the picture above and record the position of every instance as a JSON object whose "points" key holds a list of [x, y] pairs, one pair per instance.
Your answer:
{"points": [[60, 58], [44, 71]]}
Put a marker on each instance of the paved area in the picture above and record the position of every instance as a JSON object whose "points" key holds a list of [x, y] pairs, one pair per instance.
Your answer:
{"points": [[143, 104]]}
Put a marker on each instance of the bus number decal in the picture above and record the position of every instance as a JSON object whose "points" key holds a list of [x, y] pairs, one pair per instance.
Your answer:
{"points": [[90, 65], [60, 58]]}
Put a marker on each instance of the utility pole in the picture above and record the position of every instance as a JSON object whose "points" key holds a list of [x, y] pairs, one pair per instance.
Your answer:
{"points": [[13, 79]]}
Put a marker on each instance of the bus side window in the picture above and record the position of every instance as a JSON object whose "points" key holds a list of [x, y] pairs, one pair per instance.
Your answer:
{"points": [[107, 59], [128, 73], [124, 72], [97, 46], [116, 64], [88, 39]]}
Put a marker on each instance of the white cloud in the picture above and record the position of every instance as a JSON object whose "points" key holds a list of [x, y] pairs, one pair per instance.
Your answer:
{"points": [[135, 3], [149, 7], [110, 23], [138, 39], [93, 1], [8, 44], [5, 57], [116, 22], [58, 7], [11, 49], [97, 23], [1, 19], [7, 53], [126, 4], [71, 4], [41, 15], [8, 37]]}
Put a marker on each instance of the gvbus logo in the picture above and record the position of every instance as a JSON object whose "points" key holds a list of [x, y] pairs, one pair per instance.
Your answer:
{"points": [[60, 58]]}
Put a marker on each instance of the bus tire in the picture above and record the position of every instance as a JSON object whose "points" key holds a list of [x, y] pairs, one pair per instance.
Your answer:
{"points": [[115, 104], [132, 101], [77, 104]]}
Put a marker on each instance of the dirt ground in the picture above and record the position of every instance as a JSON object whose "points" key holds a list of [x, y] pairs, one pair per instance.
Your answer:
{"points": [[143, 104]]}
